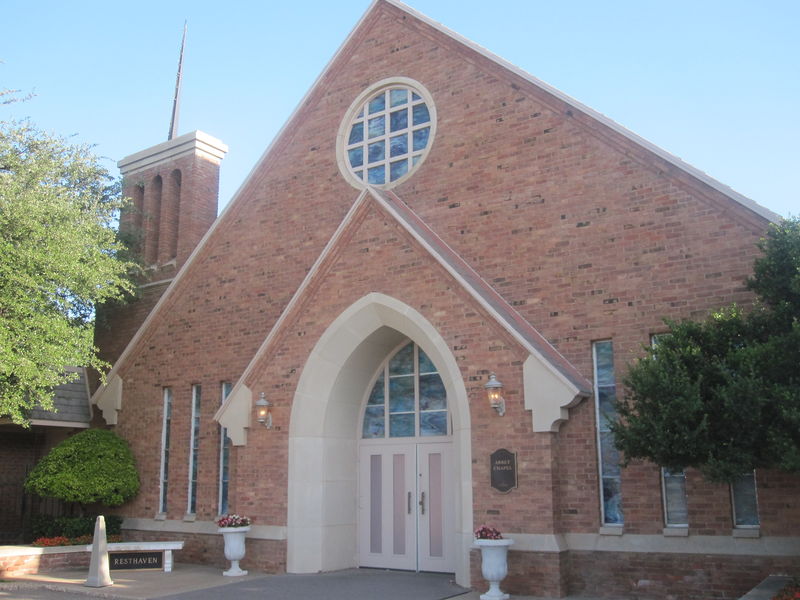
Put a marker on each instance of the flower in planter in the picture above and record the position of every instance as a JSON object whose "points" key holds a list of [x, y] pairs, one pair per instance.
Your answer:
{"points": [[233, 521], [484, 532]]}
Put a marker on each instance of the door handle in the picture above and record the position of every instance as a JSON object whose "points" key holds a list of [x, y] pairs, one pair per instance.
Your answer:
{"points": [[422, 503], [409, 502]]}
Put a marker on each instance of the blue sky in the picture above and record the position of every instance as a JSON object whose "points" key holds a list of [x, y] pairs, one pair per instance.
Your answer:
{"points": [[714, 82]]}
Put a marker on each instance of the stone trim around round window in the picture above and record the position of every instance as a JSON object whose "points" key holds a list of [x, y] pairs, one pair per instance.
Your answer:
{"points": [[386, 134]]}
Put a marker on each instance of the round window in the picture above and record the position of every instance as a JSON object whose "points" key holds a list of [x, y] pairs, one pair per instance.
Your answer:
{"points": [[387, 133]]}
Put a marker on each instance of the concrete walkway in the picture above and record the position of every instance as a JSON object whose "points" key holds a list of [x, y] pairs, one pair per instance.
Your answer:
{"points": [[196, 582]]}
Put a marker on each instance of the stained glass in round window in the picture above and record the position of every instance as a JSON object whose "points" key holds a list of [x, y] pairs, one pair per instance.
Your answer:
{"points": [[387, 133]]}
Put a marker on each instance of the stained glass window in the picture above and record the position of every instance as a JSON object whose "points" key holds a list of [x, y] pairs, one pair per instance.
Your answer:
{"points": [[408, 398], [605, 395], [224, 455], [165, 434], [194, 449], [397, 118]]}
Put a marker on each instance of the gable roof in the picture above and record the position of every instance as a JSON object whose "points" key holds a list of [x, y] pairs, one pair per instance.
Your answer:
{"points": [[464, 275], [596, 119], [597, 116], [525, 333]]}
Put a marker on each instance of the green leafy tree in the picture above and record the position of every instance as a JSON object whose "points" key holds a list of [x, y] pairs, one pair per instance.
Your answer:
{"points": [[59, 256], [93, 466], [723, 395]]}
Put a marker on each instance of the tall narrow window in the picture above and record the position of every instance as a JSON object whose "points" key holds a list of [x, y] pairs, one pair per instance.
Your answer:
{"points": [[745, 501], [605, 396], [224, 456], [673, 486], [164, 487], [194, 440]]}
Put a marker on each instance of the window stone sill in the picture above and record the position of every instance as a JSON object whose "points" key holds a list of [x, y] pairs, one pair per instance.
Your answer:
{"points": [[676, 531], [746, 532]]}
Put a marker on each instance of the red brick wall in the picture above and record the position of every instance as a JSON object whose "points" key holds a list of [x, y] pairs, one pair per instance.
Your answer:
{"points": [[12, 566], [540, 574], [19, 452], [164, 234], [586, 234], [117, 324], [209, 549], [176, 198], [671, 576]]}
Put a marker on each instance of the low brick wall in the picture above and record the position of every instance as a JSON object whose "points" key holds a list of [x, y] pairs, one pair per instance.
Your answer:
{"points": [[643, 576], [208, 549], [529, 574], [26, 560], [659, 576]]}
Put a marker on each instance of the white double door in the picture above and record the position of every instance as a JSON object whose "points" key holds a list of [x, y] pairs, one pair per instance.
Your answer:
{"points": [[405, 514]]}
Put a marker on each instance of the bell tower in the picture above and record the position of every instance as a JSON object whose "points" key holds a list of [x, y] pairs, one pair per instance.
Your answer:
{"points": [[174, 189]]}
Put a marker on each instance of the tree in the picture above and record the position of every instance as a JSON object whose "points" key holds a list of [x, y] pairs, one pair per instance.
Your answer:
{"points": [[723, 395], [95, 465], [59, 257]]}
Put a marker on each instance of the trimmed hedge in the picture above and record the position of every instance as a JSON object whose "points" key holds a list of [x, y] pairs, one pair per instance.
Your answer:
{"points": [[95, 465], [44, 526]]}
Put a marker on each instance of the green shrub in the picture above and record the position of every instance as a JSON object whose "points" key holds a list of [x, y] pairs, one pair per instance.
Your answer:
{"points": [[95, 465], [45, 526]]}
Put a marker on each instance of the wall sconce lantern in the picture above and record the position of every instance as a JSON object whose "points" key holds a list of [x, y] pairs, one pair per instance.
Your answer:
{"points": [[496, 400], [263, 415]]}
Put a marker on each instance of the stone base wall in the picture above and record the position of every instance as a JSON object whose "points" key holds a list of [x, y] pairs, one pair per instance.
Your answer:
{"points": [[208, 549]]}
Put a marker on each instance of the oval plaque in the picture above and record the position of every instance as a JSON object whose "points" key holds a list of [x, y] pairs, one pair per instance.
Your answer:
{"points": [[503, 469]]}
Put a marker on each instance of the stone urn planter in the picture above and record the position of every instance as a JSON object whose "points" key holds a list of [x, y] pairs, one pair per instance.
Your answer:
{"points": [[494, 566], [234, 548]]}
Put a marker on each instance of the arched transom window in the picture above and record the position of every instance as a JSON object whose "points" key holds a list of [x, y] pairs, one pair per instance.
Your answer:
{"points": [[408, 398]]}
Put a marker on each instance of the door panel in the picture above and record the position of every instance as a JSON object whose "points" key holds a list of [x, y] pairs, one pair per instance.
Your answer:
{"points": [[406, 516], [436, 521], [387, 521]]}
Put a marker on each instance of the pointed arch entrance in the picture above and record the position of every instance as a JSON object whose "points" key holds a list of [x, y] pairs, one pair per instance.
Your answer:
{"points": [[325, 428]]}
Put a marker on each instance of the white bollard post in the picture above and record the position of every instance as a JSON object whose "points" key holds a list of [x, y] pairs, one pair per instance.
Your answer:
{"points": [[99, 575]]}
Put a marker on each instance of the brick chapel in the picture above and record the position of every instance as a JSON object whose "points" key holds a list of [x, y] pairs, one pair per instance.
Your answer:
{"points": [[430, 219]]}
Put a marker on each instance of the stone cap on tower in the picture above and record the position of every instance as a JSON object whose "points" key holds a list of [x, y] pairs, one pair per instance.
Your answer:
{"points": [[196, 142]]}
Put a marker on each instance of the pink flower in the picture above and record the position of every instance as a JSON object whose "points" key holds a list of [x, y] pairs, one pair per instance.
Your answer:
{"points": [[484, 532], [233, 521]]}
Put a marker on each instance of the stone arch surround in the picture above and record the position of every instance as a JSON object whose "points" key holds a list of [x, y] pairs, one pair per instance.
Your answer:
{"points": [[324, 426]]}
